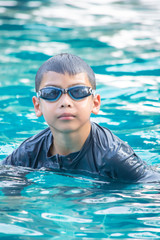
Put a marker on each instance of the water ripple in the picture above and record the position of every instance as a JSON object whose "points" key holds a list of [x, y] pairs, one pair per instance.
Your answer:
{"points": [[120, 40]]}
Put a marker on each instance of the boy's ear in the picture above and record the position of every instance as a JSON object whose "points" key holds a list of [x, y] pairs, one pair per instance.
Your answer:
{"points": [[37, 108], [96, 104]]}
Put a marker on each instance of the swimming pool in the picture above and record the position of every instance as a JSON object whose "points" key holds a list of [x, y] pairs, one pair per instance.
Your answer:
{"points": [[120, 40]]}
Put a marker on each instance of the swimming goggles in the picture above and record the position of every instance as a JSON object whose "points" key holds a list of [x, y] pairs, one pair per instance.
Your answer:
{"points": [[54, 93]]}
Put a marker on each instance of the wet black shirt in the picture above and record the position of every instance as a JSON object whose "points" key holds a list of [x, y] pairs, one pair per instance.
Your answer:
{"points": [[102, 154]]}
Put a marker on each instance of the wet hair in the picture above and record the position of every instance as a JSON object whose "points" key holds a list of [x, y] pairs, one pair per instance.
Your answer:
{"points": [[65, 63]]}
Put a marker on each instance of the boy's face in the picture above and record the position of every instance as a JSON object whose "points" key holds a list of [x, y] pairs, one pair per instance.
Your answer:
{"points": [[66, 115]]}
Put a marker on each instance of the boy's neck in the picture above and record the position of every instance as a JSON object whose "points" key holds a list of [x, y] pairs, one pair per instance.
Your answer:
{"points": [[66, 143]]}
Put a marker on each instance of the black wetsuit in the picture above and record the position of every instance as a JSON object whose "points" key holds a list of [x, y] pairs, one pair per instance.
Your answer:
{"points": [[102, 154]]}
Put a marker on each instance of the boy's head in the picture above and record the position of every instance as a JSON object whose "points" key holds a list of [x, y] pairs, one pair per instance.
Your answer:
{"points": [[66, 113], [65, 63]]}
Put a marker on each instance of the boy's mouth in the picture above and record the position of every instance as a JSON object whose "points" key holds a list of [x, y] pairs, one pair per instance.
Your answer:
{"points": [[66, 116]]}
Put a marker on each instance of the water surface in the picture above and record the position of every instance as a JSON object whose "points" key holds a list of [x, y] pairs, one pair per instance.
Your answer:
{"points": [[120, 40]]}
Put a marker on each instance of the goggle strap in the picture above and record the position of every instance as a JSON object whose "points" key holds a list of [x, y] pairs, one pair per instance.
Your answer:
{"points": [[38, 94]]}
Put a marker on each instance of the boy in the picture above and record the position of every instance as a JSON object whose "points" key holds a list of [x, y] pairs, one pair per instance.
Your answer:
{"points": [[65, 87]]}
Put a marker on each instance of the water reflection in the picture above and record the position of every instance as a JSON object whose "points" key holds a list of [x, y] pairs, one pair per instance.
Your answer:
{"points": [[13, 180], [67, 205], [120, 40]]}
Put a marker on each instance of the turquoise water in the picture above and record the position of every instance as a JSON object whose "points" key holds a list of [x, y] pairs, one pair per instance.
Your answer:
{"points": [[120, 40]]}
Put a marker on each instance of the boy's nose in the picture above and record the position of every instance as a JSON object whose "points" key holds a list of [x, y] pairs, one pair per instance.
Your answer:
{"points": [[65, 100]]}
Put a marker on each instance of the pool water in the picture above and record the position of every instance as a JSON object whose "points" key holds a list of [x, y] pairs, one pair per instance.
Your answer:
{"points": [[120, 40]]}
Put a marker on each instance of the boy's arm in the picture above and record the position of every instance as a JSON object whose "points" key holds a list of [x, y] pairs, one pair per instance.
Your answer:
{"points": [[18, 157], [13, 159], [127, 166], [7, 161], [136, 170]]}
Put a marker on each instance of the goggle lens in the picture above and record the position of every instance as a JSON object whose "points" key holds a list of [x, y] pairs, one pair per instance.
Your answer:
{"points": [[49, 93], [79, 92]]}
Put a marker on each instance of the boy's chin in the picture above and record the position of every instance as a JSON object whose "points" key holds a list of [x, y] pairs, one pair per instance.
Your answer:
{"points": [[65, 129], [71, 127]]}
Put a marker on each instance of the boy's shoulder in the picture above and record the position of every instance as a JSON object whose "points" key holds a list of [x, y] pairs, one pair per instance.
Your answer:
{"points": [[29, 148], [39, 136], [43, 137], [103, 133], [31, 143], [107, 141]]}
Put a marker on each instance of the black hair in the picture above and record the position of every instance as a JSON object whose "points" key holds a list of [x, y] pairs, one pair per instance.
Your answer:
{"points": [[65, 63]]}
